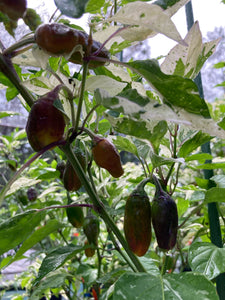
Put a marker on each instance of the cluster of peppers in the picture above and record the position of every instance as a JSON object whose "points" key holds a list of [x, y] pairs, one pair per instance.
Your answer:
{"points": [[140, 214], [46, 125]]}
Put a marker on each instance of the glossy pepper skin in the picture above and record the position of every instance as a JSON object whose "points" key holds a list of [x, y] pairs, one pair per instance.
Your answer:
{"points": [[71, 180], [91, 229], [45, 123], [164, 218], [14, 9], [106, 156], [137, 222], [58, 39]]}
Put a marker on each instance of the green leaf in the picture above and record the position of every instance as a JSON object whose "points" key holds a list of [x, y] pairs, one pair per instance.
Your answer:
{"points": [[94, 6], [176, 90], [56, 258], [183, 286], [201, 157], [150, 130], [139, 286], [219, 65], [11, 93], [215, 194], [32, 19], [51, 281], [71, 8], [15, 230], [125, 144], [49, 175], [188, 286], [4, 114], [21, 182], [188, 61], [160, 161], [5, 81], [212, 166], [149, 110], [166, 3], [206, 258], [37, 236], [87, 272], [193, 143], [219, 180]]}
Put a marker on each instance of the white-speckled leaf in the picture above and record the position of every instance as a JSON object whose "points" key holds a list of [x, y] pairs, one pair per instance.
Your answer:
{"points": [[112, 86], [187, 61], [21, 183], [208, 259], [27, 59], [184, 286], [151, 18], [155, 112]]}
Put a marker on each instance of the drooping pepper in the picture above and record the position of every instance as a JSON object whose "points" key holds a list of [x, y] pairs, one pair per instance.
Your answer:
{"points": [[91, 229], [137, 220], [71, 180], [164, 218], [45, 123], [106, 156]]}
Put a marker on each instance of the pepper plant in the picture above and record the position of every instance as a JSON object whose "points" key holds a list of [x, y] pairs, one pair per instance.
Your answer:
{"points": [[89, 224]]}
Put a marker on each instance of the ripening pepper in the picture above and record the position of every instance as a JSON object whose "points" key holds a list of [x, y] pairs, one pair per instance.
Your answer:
{"points": [[32, 194], [71, 180], [106, 156], [45, 123], [89, 252], [75, 216], [164, 218], [58, 39], [91, 229], [137, 221], [61, 168]]}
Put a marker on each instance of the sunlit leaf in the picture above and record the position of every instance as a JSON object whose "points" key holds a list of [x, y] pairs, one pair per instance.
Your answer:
{"points": [[149, 18], [15, 230], [20, 183], [206, 258], [112, 86], [188, 60], [176, 91]]}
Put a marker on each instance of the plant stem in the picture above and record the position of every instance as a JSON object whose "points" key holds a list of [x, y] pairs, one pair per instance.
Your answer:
{"points": [[81, 97], [165, 265], [99, 263], [6, 67], [117, 248], [26, 41], [99, 206]]}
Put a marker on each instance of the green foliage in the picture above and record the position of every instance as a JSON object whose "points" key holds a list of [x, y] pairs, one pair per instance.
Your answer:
{"points": [[152, 113], [73, 9]]}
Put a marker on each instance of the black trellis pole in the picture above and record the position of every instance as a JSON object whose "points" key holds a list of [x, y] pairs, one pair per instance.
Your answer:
{"points": [[215, 230]]}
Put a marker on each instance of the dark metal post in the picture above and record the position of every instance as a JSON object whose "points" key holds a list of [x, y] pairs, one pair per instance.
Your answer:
{"points": [[215, 230]]}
